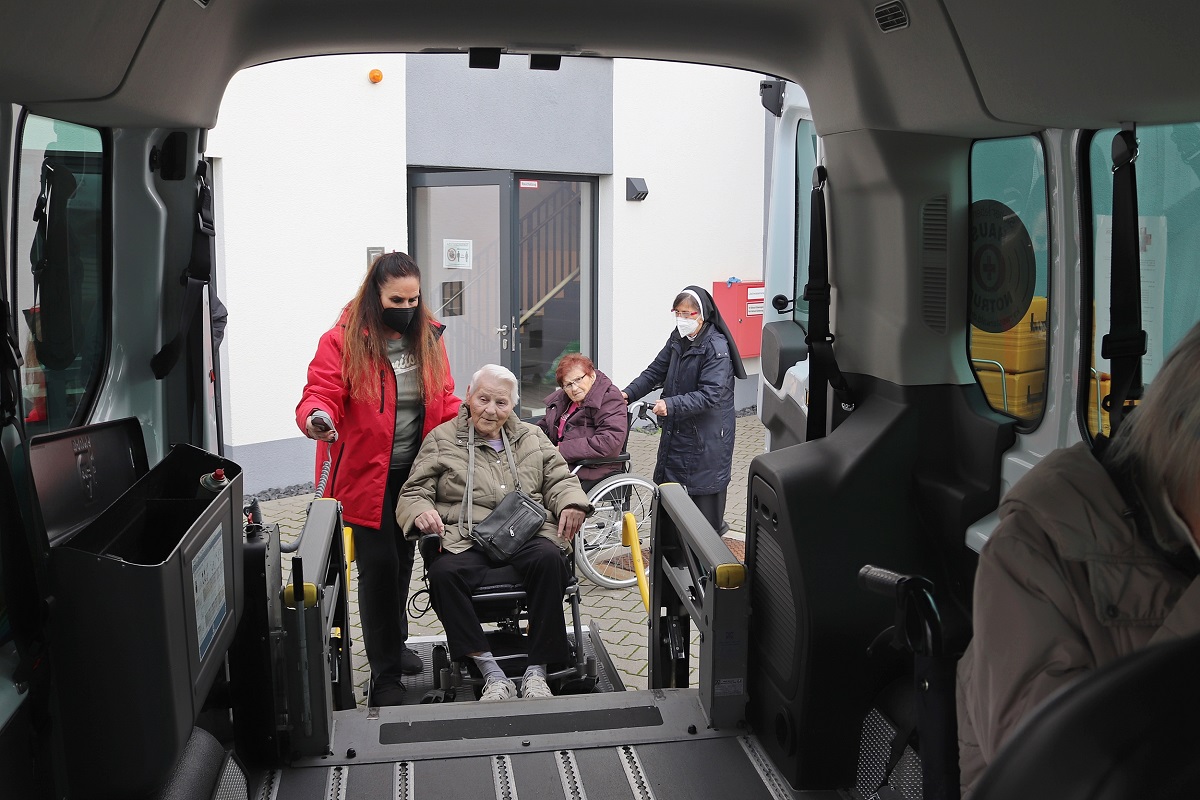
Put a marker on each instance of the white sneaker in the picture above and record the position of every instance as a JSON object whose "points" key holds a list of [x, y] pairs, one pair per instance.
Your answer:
{"points": [[498, 689], [534, 686]]}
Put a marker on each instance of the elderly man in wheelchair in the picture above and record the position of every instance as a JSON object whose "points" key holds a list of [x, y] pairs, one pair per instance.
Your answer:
{"points": [[473, 462]]}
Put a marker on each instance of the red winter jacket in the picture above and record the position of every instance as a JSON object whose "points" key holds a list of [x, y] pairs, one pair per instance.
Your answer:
{"points": [[362, 454]]}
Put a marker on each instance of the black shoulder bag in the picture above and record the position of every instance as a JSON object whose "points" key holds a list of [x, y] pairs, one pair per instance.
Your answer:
{"points": [[514, 521]]}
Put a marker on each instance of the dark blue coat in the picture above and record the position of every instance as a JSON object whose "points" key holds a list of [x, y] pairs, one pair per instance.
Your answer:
{"points": [[696, 448]]}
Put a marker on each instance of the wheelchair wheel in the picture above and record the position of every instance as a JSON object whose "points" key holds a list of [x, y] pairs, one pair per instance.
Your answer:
{"points": [[599, 554]]}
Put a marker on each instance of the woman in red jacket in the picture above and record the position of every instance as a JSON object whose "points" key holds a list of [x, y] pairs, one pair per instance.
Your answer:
{"points": [[380, 382]]}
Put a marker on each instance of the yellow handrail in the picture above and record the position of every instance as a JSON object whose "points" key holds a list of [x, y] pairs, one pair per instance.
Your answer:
{"points": [[630, 538]]}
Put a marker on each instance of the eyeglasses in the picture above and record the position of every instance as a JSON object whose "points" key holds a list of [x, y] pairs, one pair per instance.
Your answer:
{"points": [[574, 383], [686, 314]]}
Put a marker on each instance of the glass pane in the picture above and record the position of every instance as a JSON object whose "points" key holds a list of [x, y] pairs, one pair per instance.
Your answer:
{"points": [[457, 234], [554, 261], [806, 162], [61, 293], [1168, 187], [1009, 254]]}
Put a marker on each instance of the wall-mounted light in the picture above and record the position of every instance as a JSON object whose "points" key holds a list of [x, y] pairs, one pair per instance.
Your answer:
{"points": [[635, 189]]}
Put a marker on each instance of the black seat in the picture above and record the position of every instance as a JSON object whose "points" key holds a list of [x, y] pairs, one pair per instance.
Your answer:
{"points": [[1127, 731]]}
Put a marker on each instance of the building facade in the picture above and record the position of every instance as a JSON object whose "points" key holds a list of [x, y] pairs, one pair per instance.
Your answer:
{"points": [[509, 187]]}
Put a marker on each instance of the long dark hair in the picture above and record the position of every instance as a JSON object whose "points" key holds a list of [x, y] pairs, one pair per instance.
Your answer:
{"points": [[364, 355]]}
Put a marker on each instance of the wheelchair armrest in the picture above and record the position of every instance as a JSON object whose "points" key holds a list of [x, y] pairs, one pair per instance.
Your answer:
{"points": [[429, 545], [592, 462]]}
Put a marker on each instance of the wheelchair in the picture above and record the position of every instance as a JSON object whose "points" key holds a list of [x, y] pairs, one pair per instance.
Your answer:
{"points": [[599, 552], [501, 600]]}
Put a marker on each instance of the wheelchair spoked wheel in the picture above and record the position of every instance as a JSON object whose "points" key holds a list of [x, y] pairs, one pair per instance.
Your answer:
{"points": [[599, 554]]}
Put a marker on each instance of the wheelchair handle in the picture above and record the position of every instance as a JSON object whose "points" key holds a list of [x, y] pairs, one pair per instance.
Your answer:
{"points": [[642, 412]]}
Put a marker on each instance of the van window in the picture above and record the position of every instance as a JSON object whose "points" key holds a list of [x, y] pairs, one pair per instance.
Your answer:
{"points": [[59, 258], [1009, 257], [1168, 188]]}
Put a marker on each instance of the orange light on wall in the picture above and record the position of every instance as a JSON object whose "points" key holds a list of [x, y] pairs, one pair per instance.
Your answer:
{"points": [[376, 75]]}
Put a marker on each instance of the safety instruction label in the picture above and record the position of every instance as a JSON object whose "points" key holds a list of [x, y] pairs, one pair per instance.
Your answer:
{"points": [[754, 309], [208, 589], [728, 687], [456, 253]]}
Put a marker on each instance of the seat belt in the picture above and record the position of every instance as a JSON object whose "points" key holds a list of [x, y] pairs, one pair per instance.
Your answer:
{"points": [[823, 368], [195, 277], [1125, 343]]}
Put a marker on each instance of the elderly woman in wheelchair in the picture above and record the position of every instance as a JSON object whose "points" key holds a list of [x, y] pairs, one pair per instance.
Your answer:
{"points": [[477, 454], [586, 418]]}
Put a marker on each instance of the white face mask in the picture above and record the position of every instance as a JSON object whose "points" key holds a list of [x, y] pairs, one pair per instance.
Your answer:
{"points": [[686, 326]]}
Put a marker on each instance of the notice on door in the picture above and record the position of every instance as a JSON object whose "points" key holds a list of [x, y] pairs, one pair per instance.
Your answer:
{"points": [[456, 253]]}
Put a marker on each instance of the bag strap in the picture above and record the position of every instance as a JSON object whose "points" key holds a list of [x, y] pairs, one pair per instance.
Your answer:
{"points": [[468, 500]]}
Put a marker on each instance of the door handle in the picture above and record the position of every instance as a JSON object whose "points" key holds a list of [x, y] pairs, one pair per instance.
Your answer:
{"points": [[502, 330]]}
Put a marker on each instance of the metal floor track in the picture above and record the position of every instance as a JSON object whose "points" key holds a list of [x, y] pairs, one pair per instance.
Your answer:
{"points": [[720, 767]]}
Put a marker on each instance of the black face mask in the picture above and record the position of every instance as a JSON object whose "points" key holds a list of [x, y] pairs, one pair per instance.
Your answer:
{"points": [[398, 319]]}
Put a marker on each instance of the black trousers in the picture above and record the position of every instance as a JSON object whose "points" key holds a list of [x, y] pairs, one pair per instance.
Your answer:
{"points": [[712, 506], [454, 576], [385, 564]]}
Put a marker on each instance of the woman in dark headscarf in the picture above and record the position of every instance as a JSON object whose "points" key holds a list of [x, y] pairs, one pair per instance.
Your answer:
{"points": [[696, 370]]}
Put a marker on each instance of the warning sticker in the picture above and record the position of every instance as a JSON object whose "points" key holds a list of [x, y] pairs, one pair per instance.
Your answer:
{"points": [[1003, 267], [208, 587]]}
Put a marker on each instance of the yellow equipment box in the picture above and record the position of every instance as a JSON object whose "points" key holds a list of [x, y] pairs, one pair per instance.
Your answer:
{"points": [[1021, 348], [1021, 394]]}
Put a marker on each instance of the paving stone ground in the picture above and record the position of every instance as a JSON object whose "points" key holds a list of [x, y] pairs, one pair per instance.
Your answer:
{"points": [[618, 613]]}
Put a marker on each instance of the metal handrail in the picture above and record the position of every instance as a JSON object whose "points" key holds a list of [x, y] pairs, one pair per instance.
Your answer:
{"points": [[696, 580], [546, 299], [1003, 383]]}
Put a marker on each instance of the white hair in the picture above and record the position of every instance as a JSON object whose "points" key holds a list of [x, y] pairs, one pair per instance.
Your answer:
{"points": [[1161, 439], [499, 374]]}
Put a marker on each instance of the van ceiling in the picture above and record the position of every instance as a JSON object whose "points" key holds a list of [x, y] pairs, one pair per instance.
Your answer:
{"points": [[960, 67]]}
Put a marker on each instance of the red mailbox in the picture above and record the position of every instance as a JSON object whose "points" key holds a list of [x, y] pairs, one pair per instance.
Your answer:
{"points": [[741, 306]]}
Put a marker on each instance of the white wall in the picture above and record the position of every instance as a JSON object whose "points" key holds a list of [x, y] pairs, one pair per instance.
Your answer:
{"points": [[695, 134], [314, 171]]}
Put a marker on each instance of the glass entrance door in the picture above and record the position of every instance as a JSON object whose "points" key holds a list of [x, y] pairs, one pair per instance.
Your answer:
{"points": [[554, 257], [466, 265], [507, 264]]}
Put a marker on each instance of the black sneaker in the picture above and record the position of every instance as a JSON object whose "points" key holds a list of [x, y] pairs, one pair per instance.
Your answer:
{"points": [[389, 693], [410, 662]]}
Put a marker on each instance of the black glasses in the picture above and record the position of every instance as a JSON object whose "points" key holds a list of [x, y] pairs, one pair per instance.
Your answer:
{"points": [[574, 383]]}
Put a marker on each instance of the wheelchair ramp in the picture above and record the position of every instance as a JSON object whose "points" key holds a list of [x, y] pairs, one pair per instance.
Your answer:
{"points": [[634, 745]]}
